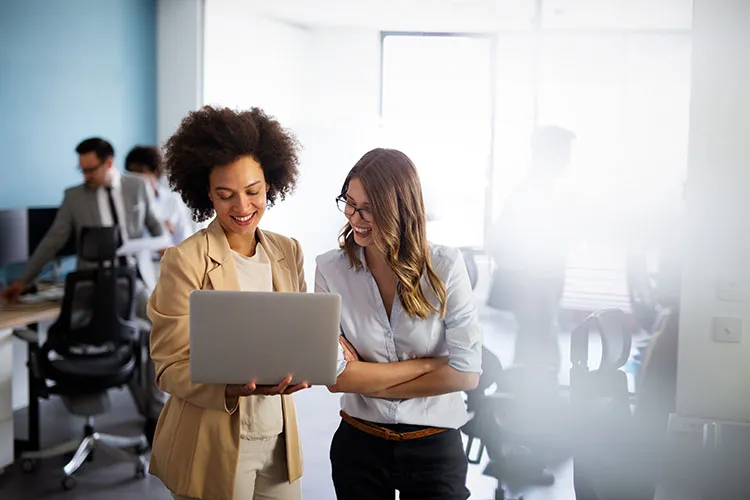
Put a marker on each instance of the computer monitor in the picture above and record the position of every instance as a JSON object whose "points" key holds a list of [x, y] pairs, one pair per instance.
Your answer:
{"points": [[40, 220], [14, 245]]}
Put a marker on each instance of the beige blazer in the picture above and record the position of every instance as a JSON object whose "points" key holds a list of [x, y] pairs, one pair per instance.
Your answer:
{"points": [[196, 445]]}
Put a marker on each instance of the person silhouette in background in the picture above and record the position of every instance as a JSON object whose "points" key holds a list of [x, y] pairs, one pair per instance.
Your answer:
{"points": [[147, 161], [529, 245]]}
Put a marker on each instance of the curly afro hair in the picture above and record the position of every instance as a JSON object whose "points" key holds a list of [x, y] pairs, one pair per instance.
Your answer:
{"points": [[213, 137]]}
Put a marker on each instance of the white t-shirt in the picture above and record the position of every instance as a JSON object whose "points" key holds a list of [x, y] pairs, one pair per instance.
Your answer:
{"points": [[261, 416]]}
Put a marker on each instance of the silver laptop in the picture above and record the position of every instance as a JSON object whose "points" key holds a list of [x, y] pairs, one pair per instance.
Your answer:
{"points": [[236, 337]]}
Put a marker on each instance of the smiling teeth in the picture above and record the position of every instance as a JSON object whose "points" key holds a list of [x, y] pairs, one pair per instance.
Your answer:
{"points": [[244, 219], [360, 231]]}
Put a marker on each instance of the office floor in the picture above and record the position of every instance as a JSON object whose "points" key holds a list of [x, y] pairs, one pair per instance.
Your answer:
{"points": [[104, 479]]}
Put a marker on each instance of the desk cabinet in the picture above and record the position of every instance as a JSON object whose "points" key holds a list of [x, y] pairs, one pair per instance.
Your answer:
{"points": [[6, 398], [13, 368]]}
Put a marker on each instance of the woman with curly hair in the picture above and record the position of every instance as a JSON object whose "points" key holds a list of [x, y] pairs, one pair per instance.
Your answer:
{"points": [[225, 442], [411, 341]]}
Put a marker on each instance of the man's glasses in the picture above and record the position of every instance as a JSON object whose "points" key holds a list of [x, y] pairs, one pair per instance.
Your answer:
{"points": [[90, 170], [349, 210]]}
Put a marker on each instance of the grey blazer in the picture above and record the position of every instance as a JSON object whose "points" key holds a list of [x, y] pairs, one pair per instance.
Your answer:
{"points": [[80, 209]]}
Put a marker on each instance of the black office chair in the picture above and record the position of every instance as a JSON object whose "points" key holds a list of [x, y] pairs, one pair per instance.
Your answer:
{"points": [[512, 423], [610, 453], [93, 347]]}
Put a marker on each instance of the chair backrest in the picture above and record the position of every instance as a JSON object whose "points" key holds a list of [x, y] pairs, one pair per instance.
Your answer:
{"points": [[600, 396], [600, 403], [98, 306], [614, 331]]}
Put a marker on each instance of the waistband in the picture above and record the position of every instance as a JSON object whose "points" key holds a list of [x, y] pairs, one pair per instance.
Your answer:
{"points": [[387, 432]]}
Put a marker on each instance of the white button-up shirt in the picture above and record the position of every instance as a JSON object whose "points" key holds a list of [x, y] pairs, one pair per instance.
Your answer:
{"points": [[102, 201], [365, 324]]}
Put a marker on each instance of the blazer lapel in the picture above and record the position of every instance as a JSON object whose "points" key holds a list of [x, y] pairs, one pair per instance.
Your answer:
{"points": [[223, 275], [282, 276]]}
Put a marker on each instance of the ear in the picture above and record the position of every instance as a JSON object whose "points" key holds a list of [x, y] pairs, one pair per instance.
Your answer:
{"points": [[268, 187], [109, 161]]}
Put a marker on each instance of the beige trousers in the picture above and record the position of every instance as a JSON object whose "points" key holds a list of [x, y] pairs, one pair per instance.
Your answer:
{"points": [[262, 472]]}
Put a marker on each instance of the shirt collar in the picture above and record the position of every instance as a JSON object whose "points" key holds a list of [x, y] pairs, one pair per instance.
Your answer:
{"points": [[115, 179], [362, 259]]}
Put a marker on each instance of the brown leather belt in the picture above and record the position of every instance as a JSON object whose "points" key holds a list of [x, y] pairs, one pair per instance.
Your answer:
{"points": [[388, 434]]}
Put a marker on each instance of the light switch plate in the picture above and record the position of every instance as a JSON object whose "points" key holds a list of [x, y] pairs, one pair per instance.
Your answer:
{"points": [[730, 290], [727, 329]]}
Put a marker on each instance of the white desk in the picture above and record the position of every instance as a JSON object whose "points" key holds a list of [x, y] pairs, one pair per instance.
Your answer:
{"points": [[13, 368]]}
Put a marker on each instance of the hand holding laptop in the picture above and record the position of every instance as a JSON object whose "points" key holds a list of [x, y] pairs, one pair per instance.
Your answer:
{"points": [[251, 389]]}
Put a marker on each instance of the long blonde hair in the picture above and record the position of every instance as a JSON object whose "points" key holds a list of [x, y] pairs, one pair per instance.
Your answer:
{"points": [[392, 185]]}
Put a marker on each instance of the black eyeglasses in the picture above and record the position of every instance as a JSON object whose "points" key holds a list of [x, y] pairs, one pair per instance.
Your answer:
{"points": [[90, 170], [349, 210]]}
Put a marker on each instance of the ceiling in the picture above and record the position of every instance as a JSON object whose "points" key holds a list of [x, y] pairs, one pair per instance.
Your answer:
{"points": [[480, 15]]}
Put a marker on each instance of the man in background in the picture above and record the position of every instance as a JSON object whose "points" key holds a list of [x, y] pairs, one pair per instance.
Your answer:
{"points": [[106, 198], [147, 161], [529, 245]]}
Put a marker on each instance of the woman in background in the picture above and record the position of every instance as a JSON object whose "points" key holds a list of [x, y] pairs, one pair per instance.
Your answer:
{"points": [[411, 341], [213, 441]]}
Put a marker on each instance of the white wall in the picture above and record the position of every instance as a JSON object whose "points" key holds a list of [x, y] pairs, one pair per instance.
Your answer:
{"points": [[321, 83], [179, 62], [341, 124], [713, 377], [251, 60]]}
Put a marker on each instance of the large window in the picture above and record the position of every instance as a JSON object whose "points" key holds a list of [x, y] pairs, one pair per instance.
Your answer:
{"points": [[464, 107], [626, 96], [437, 107]]}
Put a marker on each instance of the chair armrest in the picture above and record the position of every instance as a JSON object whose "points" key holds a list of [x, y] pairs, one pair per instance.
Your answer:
{"points": [[35, 370], [144, 330], [27, 335]]}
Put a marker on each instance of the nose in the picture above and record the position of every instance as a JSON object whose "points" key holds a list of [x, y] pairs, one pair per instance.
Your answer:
{"points": [[358, 215], [242, 203]]}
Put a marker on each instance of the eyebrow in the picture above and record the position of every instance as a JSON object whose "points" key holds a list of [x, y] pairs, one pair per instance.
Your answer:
{"points": [[228, 189], [349, 198]]}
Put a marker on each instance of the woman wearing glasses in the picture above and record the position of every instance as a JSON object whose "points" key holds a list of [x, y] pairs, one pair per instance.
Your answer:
{"points": [[411, 341]]}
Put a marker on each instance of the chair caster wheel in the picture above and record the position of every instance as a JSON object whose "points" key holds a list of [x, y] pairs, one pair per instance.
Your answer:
{"points": [[28, 465], [68, 483]]}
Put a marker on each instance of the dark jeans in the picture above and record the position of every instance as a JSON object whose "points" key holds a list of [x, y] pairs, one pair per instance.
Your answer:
{"points": [[367, 467]]}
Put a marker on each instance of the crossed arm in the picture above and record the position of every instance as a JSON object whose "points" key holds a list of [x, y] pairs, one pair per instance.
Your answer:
{"points": [[415, 378], [426, 377]]}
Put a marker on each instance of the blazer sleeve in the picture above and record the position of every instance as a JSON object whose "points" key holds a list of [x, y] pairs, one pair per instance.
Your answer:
{"points": [[57, 236], [169, 312]]}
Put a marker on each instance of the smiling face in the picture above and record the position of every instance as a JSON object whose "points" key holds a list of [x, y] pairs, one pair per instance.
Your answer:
{"points": [[238, 193], [359, 213]]}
